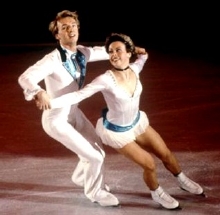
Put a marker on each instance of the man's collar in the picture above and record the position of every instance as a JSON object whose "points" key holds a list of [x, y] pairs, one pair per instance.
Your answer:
{"points": [[69, 53]]}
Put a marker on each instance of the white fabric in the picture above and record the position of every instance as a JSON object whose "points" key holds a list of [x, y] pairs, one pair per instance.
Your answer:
{"points": [[68, 125], [123, 108], [120, 139]]}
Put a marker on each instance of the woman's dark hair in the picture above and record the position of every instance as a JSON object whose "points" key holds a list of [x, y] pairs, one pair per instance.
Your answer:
{"points": [[130, 47]]}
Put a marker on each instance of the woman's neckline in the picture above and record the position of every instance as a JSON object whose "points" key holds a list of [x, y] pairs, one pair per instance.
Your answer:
{"points": [[118, 69]]}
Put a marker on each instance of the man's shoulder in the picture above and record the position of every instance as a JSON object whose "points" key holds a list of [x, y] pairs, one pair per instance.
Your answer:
{"points": [[93, 53], [53, 54], [82, 48], [85, 50]]}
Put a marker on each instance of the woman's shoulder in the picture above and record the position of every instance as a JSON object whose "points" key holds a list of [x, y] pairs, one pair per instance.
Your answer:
{"points": [[105, 78]]}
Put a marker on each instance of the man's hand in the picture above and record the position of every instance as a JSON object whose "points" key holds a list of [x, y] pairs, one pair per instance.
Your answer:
{"points": [[42, 100]]}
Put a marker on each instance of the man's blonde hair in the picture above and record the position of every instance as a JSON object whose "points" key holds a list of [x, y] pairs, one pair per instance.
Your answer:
{"points": [[65, 13]]}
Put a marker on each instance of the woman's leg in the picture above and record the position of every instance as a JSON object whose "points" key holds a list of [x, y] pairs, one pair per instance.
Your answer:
{"points": [[135, 153], [153, 142], [144, 159]]}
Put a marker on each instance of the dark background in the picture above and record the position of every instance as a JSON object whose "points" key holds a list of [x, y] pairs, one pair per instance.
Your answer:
{"points": [[183, 27]]}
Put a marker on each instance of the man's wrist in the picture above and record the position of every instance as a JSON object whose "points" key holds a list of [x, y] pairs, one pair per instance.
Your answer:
{"points": [[38, 93]]}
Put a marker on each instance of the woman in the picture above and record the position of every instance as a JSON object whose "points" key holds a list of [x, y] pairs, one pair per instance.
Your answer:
{"points": [[123, 126]]}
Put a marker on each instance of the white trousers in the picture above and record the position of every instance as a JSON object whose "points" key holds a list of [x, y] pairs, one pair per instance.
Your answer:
{"points": [[70, 127]]}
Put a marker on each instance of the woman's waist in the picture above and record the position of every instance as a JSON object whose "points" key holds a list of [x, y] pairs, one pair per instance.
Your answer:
{"points": [[121, 118]]}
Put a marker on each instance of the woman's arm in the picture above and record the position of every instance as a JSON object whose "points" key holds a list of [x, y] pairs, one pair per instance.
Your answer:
{"points": [[97, 85], [139, 63]]}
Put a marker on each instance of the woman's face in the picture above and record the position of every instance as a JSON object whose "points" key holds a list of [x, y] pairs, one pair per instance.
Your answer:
{"points": [[118, 55]]}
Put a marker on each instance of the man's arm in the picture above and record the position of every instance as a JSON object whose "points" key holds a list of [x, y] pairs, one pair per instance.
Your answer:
{"points": [[30, 80]]}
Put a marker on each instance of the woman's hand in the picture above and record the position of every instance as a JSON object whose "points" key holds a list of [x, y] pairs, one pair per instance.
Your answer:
{"points": [[139, 50], [42, 100]]}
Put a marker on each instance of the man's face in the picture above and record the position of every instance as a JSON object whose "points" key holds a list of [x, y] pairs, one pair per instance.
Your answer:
{"points": [[68, 31]]}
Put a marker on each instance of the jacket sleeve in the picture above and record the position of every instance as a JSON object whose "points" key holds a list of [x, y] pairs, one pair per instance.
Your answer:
{"points": [[95, 53], [30, 79]]}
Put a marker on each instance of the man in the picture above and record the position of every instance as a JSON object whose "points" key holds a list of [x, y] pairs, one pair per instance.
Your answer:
{"points": [[63, 71]]}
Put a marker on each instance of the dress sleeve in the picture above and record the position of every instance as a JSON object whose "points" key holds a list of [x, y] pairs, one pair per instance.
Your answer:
{"points": [[138, 64], [98, 84]]}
